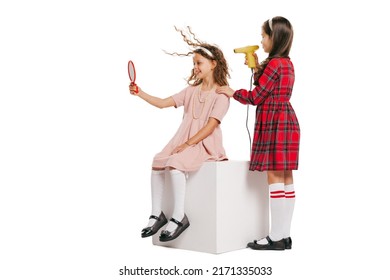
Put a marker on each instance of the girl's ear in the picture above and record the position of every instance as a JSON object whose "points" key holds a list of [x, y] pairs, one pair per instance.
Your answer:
{"points": [[214, 63]]}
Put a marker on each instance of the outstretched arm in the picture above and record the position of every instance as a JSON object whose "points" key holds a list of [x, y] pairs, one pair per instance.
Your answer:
{"points": [[225, 90], [202, 134], [153, 100]]}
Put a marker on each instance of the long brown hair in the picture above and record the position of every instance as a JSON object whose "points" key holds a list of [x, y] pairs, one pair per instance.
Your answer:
{"points": [[221, 71], [281, 33]]}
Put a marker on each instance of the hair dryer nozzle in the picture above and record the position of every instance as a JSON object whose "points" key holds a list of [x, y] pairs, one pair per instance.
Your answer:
{"points": [[249, 51]]}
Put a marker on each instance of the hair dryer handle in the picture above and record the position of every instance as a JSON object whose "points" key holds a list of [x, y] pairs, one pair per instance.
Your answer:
{"points": [[251, 60]]}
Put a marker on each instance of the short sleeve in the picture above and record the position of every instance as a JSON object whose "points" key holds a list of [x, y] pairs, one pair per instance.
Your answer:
{"points": [[179, 98], [220, 108]]}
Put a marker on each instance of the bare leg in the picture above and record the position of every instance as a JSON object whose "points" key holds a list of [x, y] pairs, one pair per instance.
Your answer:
{"points": [[288, 177], [275, 177]]}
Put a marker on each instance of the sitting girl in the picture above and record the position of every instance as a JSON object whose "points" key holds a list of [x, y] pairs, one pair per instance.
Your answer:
{"points": [[198, 138]]}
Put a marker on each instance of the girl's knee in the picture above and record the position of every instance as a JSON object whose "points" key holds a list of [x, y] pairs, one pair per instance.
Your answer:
{"points": [[275, 177], [288, 177]]}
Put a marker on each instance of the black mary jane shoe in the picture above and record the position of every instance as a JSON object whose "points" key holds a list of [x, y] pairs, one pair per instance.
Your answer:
{"points": [[287, 243], [271, 245], [181, 226], [160, 221]]}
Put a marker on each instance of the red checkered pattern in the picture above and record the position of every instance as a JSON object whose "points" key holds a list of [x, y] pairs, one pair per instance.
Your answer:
{"points": [[277, 133]]}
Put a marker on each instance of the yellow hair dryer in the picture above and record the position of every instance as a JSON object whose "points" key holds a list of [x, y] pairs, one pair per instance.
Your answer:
{"points": [[249, 51]]}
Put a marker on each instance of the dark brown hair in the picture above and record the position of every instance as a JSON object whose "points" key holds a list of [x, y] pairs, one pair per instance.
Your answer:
{"points": [[281, 33], [221, 71]]}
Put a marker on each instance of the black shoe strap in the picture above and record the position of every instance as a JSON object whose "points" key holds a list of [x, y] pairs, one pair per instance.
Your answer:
{"points": [[154, 217], [176, 222], [268, 239]]}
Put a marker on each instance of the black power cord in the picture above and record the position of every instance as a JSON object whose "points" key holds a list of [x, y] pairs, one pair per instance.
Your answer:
{"points": [[247, 116]]}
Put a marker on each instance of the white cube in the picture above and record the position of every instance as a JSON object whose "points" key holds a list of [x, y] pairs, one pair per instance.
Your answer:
{"points": [[227, 206]]}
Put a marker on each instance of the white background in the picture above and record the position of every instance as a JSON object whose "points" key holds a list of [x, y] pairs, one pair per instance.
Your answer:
{"points": [[76, 148]]}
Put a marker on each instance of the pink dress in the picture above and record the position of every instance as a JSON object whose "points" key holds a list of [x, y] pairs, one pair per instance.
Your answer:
{"points": [[198, 108]]}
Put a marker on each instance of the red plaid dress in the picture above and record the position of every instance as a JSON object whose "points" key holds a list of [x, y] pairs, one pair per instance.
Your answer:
{"points": [[276, 136]]}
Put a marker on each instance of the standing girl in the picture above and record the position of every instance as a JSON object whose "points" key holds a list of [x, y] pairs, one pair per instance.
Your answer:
{"points": [[275, 147], [198, 139]]}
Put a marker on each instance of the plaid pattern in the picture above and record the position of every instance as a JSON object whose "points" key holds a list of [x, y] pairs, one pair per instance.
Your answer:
{"points": [[277, 133]]}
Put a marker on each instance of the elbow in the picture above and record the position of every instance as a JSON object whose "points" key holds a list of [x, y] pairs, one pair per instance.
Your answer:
{"points": [[255, 100], [161, 104]]}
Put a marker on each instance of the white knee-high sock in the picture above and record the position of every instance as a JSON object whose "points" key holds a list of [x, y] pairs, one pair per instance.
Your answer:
{"points": [[289, 208], [157, 181], [277, 197], [178, 180]]}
